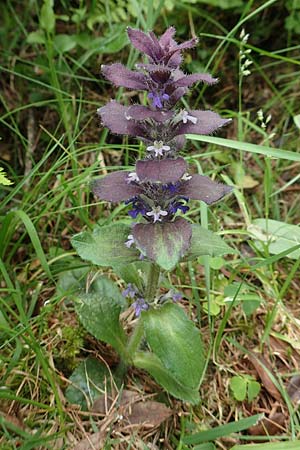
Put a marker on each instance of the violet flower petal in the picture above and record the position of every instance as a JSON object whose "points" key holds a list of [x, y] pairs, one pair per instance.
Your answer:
{"points": [[205, 189], [119, 75], [115, 187], [163, 171]]}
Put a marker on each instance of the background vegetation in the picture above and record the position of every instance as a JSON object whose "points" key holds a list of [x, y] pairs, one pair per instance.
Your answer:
{"points": [[246, 306]]}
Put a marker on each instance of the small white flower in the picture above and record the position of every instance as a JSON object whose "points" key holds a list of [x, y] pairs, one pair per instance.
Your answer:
{"points": [[127, 116], [260, 114], [186, 177], [242, 34], [130, 241], [268, 118], [158, 148], [247, 63], [246, 73], [186, 117], [132, 176], [156, 213]]}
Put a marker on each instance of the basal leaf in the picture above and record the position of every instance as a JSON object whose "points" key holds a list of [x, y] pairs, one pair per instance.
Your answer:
{"points": [[153, 365], [105, 246], [88, 383], [99, 312], [205, 242], [176, 342]]}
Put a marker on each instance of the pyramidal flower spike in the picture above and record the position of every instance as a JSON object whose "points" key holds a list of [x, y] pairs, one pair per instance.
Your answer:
{"points": [[157, 193]]}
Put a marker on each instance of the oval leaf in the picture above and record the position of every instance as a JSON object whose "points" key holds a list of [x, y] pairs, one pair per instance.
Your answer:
{"points": [[205, 242], [152, 364], [106, 245], [88, 383], [99, 312], [176, 342]]}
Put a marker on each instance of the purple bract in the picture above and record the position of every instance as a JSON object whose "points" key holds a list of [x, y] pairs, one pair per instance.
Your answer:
{"points": [[160, 185]]}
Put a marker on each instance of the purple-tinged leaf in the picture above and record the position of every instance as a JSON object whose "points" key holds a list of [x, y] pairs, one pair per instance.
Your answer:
{"points": [[188, 80], [139, 112], [207, 122], [145, 43], [115, 187], [113, 116], [163, 171], [121, 76], [205, 189], [166, 40], [165, 243], [173, 55], [176, 95]]}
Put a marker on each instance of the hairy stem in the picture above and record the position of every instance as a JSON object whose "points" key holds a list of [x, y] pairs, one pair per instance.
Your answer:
{"points": [[152, 282]]}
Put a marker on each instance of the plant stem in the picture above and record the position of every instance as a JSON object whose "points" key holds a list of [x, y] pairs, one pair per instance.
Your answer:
{"points": [[138, 332], [152, 283], [135, 338]]}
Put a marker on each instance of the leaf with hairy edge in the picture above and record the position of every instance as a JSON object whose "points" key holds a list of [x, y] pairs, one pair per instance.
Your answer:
{"points": [[164, 171], [205, 242], [115, 187], [152, 364], [164, 243], [176, 342], [106, 245], [99, 311]]}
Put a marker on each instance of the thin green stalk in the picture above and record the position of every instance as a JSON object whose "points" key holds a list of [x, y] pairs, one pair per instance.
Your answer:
{"points": [[135, 338]]}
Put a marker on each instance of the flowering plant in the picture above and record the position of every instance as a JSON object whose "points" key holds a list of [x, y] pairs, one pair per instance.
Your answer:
{"points": [[164, 341]]}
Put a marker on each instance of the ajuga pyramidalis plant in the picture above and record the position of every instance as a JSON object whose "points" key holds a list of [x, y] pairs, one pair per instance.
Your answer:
{"points": [[163, 340]]}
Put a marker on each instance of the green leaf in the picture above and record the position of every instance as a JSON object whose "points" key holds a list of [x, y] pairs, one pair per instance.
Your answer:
{"points": [[278, 236], [174, 339], [135, 273], [205, 242], [206, 446], [99, 311], [106, 245], [287, 445], [253, 390], [3, 178], [88, 383], [47, 17], [246, 147], [238, 385], [152, 364], [71, 281], [36, 37], [223, 430], [64, 42], [242, 293]]}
